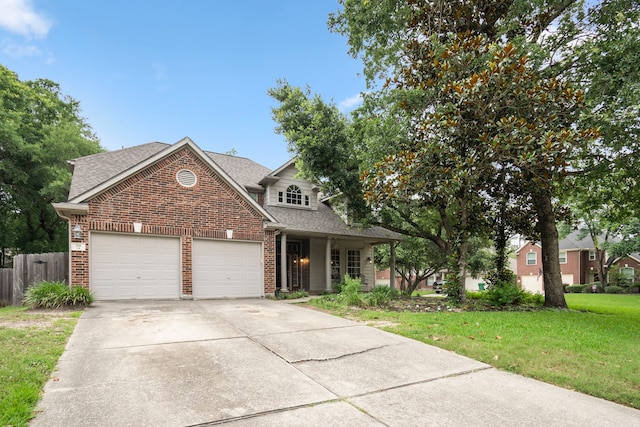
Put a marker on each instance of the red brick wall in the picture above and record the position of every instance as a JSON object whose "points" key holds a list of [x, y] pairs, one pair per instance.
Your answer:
{"points": [[572, 266], [522, 268], [154, 198], [269, 262]]}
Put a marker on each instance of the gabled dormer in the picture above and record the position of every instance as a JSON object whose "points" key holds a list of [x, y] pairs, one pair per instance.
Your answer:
{"points": [[283, 187]]}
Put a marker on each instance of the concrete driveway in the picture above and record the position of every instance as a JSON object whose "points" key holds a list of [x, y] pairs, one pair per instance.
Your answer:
{"points": [[261, 363]]}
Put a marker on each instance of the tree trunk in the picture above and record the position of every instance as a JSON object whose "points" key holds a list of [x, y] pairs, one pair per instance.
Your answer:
{"points": [[553, 291], [462, 265], [602, 272]]}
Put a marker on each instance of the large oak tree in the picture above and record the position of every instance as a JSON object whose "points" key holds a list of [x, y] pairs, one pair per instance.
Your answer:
{"points": [[40, 128]]}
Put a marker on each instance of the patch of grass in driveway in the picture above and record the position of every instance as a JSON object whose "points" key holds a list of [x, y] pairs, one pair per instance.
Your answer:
{"points": [[591, 352], [32, 342]]}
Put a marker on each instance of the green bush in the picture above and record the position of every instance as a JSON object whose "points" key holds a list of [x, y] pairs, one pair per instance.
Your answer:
{"points": [[574, 289], [351, 291], [532, 299], [380, 296], [614, 290], [504, 294], [587, 289], [292, 295], [57, 294], [475, 294]]}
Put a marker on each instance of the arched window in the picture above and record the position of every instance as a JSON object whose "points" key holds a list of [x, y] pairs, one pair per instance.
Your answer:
{"points": [[294, 195]]}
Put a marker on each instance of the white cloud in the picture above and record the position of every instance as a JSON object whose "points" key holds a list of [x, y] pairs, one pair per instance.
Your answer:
{"points": [[19, 51], [349, 103], [18, 16]]}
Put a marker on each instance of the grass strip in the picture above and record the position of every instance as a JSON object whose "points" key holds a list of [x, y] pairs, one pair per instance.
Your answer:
{"points": [[32, 343], [595, 352]]}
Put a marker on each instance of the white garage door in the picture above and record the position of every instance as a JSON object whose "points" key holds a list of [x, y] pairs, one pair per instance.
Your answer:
{"points": [[125, 266], [532, 284], [223, 268]]}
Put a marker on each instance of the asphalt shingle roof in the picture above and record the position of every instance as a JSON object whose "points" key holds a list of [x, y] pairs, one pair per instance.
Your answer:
{"points": [[573, 241], [325, 221], [92, 171]]}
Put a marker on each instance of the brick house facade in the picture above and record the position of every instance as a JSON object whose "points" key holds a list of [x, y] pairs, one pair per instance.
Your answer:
{"points": [[212, 227], [578, 263]]}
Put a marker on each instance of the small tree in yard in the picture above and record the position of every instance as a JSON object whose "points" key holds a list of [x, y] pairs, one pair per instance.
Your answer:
{"points": [[416, 259]]}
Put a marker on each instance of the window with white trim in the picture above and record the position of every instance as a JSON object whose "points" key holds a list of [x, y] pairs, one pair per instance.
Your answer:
{"points": [[532, 258], [627, 273], [592, 255], [353, 263], [335, 266], [294, 195], [562, 256]]}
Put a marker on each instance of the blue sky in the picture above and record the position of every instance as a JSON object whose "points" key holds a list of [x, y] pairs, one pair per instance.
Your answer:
{"points": [[160, 70]]}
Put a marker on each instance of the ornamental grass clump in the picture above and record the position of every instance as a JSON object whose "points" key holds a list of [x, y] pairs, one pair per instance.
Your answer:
{"points": [[380, 296], [351, 291], [56, 295]]}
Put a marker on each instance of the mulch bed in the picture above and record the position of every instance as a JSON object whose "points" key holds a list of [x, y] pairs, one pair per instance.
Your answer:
{"points": [[431, 304]]}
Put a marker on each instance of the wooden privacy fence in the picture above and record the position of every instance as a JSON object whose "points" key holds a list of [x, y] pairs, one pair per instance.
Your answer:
{"points": [[29, 269]]}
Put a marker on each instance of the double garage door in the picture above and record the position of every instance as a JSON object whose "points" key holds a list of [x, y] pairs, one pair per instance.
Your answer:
{"points": [[124, 266]]}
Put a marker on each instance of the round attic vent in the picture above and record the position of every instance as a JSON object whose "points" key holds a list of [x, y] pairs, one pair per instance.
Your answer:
{"points": [[186, 178]]}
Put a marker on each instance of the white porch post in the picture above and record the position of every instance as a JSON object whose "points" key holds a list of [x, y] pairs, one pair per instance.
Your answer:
{"points": [[327, 268], [392, 265], [283, 263]]}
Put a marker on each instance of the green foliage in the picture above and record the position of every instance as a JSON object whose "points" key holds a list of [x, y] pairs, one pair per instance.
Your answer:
{"points": [[614, 290], [56, 295], [337, 287], [453, 288], [293, 295], [553, 346], [475, 295], [574, 289], [416, 259], [503, 290], [40, 129], [351, 291], [506, 294], [532, 299], [380, 296], [630, 242], [322, 140], [587, 289]]}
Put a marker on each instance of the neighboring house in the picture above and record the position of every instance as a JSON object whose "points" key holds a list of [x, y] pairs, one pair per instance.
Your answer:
{"points": [[160, 221], [578, 263]]}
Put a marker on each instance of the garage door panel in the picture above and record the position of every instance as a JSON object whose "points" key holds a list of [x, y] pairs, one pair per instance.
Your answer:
{"points": [[134, 266], [223, 268]]}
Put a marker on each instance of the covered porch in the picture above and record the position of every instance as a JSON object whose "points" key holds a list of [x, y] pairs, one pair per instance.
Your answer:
{"points": [[315, 263]]}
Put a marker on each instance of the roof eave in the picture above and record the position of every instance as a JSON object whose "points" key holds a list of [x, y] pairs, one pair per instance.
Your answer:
{"points": [[66, 209]]}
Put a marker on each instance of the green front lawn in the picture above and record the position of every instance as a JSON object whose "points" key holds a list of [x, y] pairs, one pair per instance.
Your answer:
{"points": [[595, 352], [32, 342]]}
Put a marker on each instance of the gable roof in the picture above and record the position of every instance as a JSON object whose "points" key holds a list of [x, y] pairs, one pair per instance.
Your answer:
{"points": [[96, 173], [91, 171], [128, 168], [572, 242]]}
